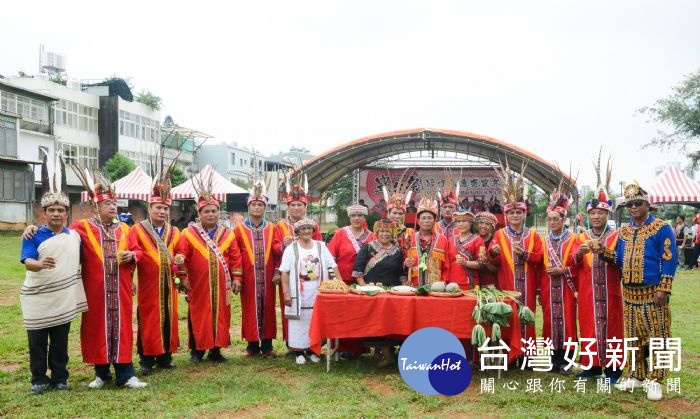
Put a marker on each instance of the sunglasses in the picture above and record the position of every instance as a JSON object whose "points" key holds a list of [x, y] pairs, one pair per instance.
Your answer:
{"points": [[636, 203]]}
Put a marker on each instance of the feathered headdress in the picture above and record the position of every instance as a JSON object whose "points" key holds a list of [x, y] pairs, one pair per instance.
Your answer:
{"points": [[400, 193], [513, 187], [562, 197], [52, 194], [256, 186], [600, 198], [95, 184], [296, 192], [162, 184], [450, 193], [204, 189]]}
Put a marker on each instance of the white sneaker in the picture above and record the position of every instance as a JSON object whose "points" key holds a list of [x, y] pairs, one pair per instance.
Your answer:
{"points": [[654, 391], [314, 358], [301, 360], [97, 383], [628, 384], [134, 382]]}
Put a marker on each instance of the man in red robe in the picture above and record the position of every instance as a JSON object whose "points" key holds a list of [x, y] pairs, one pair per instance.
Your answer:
{"points": [[426, 257], [599, 290], [297, 200], [448, 205], [517, 252], [212, 262], [106, 334], [260, 254], [558, 283], [153, 241]]}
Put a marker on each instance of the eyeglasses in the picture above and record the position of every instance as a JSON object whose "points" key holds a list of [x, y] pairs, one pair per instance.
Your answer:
{"points": [[636, 203], [555, 219]]}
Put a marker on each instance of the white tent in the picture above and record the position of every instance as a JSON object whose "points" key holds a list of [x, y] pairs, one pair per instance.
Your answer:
{"points": [[136, 185], [221, 186]]}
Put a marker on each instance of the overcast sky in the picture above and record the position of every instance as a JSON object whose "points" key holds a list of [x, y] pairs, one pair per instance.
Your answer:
{"points": [[558, 78]]}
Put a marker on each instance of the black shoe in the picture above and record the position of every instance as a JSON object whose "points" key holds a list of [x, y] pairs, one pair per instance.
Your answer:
{"points": [[216, 357], [61, 387], [39, 388], [168, 366], [344, 356], [195, 359], [146, 370]]}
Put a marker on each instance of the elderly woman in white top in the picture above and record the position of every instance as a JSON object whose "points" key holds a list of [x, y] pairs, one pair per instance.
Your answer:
{"points": [[304, 265]]}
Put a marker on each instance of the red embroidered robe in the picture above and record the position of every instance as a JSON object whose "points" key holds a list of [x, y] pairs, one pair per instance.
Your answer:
{"points": [[106, 334], [209, 313], [257, 245], [344, 248], [469, 249], [599, 298], [157, 296]]}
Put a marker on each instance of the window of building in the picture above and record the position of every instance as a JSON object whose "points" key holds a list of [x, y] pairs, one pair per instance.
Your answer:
{"points": [[73, 115], [30, 109], [8, 136], [85, 156], [15, 185], [241, 162], [139, 127], [233, 159]]}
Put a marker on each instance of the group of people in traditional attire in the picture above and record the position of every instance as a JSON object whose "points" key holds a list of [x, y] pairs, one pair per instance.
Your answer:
{"points": [[614, 284]]}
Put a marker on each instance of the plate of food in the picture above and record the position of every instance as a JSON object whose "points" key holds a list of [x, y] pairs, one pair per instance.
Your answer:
{"points": [[333, 286], [440, 289], [405, 290], [369, 289]]}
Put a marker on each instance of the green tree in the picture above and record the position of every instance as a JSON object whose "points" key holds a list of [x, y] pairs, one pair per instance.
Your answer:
{"points": [[242, 183], [149, 99], [681, 111], [178, 177], [118, 166], [341, 191]]}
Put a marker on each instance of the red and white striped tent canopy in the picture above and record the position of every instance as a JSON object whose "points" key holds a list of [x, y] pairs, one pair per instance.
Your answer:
{"points": [[135, 185], [673, 186], [221, 186]]}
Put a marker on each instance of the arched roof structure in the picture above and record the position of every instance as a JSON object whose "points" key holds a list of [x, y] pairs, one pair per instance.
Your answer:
{"points": [[326, 168]]}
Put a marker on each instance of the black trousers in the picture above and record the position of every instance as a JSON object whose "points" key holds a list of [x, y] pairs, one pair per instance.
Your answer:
{"points": [[48, 349], [151, 361]]}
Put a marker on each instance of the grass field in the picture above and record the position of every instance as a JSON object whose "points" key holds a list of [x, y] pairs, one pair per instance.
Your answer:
{"points": [[245, 388]]}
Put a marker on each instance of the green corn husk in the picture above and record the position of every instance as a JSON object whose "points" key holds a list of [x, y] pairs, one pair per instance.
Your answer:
{"points": [[476, 314], [526, 315], [490, 308], [478, 335], [505, 309], [495, 333], [502, 321]]}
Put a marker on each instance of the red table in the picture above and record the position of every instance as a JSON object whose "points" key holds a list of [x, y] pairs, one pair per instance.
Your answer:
{"points": [[357, 316]]}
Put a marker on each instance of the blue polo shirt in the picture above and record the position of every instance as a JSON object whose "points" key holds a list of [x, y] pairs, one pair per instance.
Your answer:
{"points": [[30, 248]]}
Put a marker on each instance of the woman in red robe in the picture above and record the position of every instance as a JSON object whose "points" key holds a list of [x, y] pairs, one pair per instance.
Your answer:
{"points": [[464, 251], [212, 261]]}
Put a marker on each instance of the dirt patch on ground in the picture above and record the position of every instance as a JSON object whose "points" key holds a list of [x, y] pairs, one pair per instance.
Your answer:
{"points": [[10, 367], [255, 411], [378, 386], [679, 405], [9, 295]]}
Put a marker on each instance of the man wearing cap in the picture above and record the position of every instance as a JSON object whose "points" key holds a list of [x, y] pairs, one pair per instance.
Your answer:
{"points": [[599, 290], [212, 262], [465, 251], [517, 252], [426, 257], [297, 200], [260, 255], [558, 282], [52, 293], [485, 227], [347, 241], [647, 255], [153, 241], [448, 205]]}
